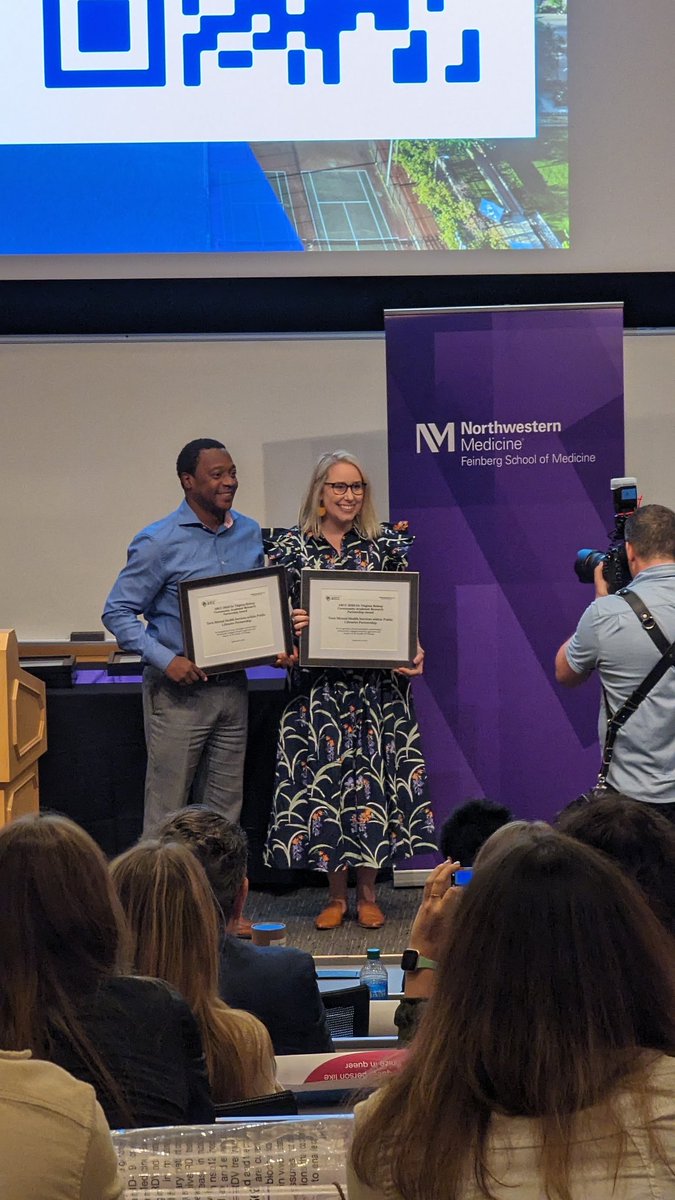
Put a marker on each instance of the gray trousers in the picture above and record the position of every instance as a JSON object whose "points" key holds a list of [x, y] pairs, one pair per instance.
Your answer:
{"points": [[196, 742]]}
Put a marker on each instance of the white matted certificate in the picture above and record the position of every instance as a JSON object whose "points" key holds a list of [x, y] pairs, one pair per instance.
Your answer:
{"points": [[235, 621], [359, 618]]}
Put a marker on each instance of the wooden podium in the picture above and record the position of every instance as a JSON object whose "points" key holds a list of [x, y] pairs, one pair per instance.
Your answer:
{"points": [[23, 732]]}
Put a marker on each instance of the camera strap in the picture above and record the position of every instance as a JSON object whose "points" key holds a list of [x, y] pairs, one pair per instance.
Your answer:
{"points": [[618, 720]]}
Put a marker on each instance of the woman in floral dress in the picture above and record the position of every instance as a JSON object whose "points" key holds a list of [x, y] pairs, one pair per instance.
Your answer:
{"points": [[351, 786]]}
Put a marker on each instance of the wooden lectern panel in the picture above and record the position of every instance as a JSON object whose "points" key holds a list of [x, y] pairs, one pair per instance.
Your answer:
{"points": [[21, 796], [23, 731]]}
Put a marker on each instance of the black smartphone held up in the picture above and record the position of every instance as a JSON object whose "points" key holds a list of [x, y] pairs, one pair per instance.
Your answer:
{"points": [[462, 877]]}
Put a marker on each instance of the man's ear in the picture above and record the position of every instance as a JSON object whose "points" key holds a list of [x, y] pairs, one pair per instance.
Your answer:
{"points": [[239, 902]]}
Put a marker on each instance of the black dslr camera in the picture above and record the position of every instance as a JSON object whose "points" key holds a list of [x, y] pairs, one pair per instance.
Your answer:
{"points": [[615, 564]]}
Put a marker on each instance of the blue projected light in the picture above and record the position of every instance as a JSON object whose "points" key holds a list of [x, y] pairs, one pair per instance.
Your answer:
{"points": [[226, 125], [103, 25]]}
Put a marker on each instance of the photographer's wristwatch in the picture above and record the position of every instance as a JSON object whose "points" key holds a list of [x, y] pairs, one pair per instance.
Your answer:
{"points": [[412, 960]]}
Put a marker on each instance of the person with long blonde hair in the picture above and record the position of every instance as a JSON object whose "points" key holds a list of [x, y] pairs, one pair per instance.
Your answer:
{"points": [[543, 1064], [174, 925], [351, 787]]}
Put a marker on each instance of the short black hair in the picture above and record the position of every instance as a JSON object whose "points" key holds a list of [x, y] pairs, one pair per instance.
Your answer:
{"points": [[219, 844], [651, 532], [639, 839], [469, 826], [186, 463]]}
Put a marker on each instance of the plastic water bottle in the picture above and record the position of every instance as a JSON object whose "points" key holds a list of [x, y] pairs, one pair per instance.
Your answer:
{"points": [[374, 974]]}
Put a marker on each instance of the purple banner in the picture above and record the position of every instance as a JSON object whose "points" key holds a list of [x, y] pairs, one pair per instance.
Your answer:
{"points": [[505, 428]]}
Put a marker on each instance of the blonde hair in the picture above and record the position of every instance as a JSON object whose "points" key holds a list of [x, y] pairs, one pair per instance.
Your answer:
{"points": [[174, 926], [367, 523]]}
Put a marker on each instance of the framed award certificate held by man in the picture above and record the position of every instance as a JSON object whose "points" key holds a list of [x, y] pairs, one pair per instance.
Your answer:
{"points": [[359, 618], [235, 621]]}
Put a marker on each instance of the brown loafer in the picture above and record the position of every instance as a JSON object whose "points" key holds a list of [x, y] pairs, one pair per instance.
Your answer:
{"points": [[332, 916], [370, 915]]}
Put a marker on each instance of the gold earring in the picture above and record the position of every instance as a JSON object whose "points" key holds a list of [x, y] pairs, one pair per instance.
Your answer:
{"points": [[322, 510]]}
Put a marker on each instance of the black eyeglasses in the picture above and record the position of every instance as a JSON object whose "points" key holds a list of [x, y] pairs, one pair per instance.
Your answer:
{"points": [[341, 489]]}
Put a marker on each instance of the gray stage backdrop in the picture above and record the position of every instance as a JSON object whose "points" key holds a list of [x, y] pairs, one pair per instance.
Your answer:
{"points": [[90, 431]]}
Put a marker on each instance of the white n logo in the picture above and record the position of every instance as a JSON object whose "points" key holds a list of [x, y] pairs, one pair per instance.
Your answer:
{"points": [[433, 437]]}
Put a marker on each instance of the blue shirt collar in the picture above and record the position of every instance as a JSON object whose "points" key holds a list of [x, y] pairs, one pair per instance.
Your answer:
{"points": [[186, 516], [662, 571]]}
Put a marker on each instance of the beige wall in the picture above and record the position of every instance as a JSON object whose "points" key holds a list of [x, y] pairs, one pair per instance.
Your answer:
{"points": [[90, 433]]}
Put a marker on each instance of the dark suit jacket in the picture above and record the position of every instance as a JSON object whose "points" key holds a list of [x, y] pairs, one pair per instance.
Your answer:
{"points": [[278, 984]]}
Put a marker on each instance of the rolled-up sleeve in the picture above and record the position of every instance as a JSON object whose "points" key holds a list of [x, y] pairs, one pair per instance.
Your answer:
{"points": [[583, 647], [133, 592]]}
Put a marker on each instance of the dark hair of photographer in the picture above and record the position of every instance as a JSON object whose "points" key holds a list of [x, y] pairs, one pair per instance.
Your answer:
{"points": [[651, 533], [637, 838], [554, 978], [469, 826]]}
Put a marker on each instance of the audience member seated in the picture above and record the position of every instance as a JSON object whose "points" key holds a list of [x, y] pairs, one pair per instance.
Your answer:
{"points": [[469, 826], [63, 995], [636, 837], [276, 983], [543, 1064], [54, 1141], [174, 927], [461, 838]]}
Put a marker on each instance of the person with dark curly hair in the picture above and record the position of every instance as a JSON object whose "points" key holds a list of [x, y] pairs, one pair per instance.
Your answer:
{"points": [[195, 724], [469, 826]]}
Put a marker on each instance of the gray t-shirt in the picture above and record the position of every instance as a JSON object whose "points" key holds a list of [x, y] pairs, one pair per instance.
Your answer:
{"points": [[609, 637]]}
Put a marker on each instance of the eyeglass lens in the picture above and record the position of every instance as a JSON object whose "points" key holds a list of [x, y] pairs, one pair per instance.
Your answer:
{"points": [[340, 489]]}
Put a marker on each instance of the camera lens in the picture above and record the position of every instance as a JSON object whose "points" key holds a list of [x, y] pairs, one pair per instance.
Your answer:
{"points": [[585, 564]]}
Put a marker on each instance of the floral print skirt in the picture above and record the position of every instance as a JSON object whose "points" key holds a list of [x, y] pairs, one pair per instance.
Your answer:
{"points": [[351, 785]]}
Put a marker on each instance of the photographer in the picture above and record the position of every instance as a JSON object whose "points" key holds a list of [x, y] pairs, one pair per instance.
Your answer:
{"points": [[611, 637]]}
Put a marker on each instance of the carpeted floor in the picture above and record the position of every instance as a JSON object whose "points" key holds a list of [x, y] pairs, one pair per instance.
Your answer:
{"points": [[298, 910]]}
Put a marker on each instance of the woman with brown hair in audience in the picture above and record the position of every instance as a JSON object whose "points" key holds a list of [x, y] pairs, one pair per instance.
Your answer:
{"points": [[174, 926], [543, 1064], [63, 994], [634, 835]]}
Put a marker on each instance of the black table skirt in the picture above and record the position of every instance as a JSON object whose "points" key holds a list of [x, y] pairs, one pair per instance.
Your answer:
{"points": [[94, 768]]}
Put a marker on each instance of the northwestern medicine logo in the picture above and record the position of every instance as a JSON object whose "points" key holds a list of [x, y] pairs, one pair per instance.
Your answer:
{"points": [[429, 435], [281, 70], [488, 435]]}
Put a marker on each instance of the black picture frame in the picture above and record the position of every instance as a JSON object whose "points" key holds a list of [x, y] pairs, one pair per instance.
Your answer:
{"points": [[196, 594], [315, 586]]}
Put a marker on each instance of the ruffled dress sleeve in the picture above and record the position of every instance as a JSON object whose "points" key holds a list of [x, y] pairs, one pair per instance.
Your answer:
{"points": [[284, 548], [394, 542]]}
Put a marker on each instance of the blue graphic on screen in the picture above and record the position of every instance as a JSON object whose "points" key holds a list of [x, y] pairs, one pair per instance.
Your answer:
{"points": [[193, 196], [115, 199], [104, 27], [322, 25]]}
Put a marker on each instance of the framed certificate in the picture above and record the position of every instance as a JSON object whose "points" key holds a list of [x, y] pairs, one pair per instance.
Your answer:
{"points": [[359, 618], [235, 621]]}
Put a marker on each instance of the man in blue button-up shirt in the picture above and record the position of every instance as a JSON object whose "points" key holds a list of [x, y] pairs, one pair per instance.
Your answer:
{"points": [[195, 726], [610, 637]]}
